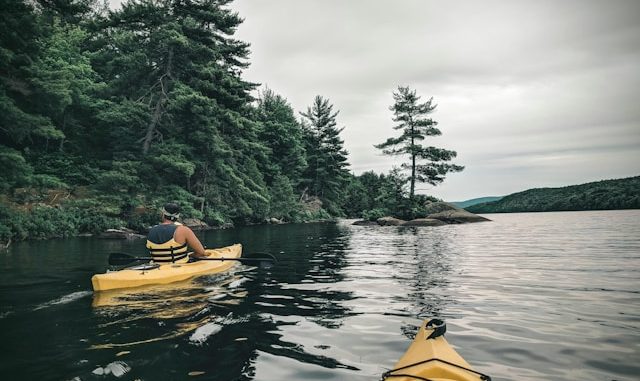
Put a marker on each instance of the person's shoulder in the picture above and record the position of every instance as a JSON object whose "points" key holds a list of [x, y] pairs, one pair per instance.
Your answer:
{"points": [[181, 227]]}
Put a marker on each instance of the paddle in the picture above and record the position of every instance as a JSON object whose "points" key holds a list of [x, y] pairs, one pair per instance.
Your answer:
{"points": [[121, 259]]}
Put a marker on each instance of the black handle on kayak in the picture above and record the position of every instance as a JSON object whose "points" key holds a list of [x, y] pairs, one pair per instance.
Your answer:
{"points": [[121, 259]]}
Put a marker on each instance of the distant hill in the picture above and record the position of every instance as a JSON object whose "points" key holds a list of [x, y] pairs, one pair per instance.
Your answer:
{"points": [[599, 195], [474, 201]]}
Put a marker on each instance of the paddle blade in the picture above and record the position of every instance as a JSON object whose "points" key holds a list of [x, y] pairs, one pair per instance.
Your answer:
{"points": [[266, 257], [262, 260]]}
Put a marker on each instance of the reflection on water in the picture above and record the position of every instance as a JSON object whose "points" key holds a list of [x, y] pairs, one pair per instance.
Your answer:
{"points": [[526, 297], [179, 308]]}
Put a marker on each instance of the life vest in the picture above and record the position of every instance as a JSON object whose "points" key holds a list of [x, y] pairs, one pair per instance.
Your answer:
{"points": [[163, 247]]}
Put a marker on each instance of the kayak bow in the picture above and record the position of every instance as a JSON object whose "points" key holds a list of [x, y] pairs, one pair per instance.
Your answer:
{"points": [[166, 273], [431, 358]]}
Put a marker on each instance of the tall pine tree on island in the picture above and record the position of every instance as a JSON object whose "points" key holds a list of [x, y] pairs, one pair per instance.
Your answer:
{"points": [[326, 174], [415, 126]]}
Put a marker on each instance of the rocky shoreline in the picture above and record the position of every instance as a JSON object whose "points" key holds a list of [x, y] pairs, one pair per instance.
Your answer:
{"points": [[439, 213]]}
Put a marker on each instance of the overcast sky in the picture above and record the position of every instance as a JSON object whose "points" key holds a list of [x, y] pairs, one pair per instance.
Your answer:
{"points": [[529, 93]]}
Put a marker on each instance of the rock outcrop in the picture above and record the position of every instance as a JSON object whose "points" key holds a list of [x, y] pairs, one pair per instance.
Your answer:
{"points": [[365, 223], [451, 214], [390, 221], [196, 224], [440, 213], [424, 222]]}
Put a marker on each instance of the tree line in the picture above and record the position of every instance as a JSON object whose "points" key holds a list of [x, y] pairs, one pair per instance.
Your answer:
{"points": [[599, 195], [107, 114]]}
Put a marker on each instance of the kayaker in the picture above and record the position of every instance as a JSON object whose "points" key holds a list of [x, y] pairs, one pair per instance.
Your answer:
{"points": [[170, 240]]}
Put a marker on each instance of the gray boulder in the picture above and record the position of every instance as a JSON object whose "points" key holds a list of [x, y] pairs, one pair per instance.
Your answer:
{"points": [[365, 223], [458, 217], [424, 222], [390, 221]]}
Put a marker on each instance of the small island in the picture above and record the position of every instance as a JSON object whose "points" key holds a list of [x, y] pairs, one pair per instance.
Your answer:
{"points": [[435, 214]]}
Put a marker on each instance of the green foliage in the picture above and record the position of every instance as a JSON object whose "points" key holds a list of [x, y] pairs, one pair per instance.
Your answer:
{"points": [[281, 133], [372, 196], [283, 203], [13, 224], [600, 195], [43, 222], [374, 214], [121, 179], [214, 217], [42, 181], [15, 169], [306, 215]]}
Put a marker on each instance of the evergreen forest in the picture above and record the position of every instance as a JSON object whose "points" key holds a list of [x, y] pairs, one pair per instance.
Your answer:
{"points": [[106, 114]]}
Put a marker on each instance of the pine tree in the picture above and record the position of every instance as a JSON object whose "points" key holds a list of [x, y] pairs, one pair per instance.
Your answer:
{"points": [[282, 134], [415, 127], [326, 173]]}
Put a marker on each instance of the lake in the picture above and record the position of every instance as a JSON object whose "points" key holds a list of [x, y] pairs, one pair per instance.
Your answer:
{"points": [[529, 296]]}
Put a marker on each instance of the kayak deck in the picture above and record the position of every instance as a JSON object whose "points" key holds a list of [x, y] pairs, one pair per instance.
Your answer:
{"points": [[431, 357], [166, 273]]}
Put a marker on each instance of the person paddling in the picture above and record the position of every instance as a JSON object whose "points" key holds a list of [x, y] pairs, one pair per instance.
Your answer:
{"points": [[169, 241]]}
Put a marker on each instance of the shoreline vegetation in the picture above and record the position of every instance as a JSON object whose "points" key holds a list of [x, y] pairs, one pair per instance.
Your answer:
{"points": [[108, 114]]}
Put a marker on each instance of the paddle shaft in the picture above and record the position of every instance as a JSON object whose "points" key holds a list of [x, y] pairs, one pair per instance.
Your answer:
{"points": [[124, 259]]}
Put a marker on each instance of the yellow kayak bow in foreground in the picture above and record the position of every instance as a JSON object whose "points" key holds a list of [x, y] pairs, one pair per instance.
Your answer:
{"points": [[431, 358]]}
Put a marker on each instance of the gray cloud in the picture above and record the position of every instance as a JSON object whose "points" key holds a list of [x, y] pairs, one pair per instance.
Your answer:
{"points": [[530, 94]]}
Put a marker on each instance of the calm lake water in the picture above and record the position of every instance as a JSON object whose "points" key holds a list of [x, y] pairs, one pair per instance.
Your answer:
{"points": [[537, 296]]}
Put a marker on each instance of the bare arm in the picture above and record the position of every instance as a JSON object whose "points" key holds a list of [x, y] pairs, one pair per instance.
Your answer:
{"points": [[187, 235]]}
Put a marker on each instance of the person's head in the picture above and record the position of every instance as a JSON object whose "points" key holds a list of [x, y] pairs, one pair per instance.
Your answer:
{"points": [[171, 212]]}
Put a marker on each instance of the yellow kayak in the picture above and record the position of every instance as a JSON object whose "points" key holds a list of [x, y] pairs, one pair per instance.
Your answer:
{"points": [[430, 357], [166, 273]]}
